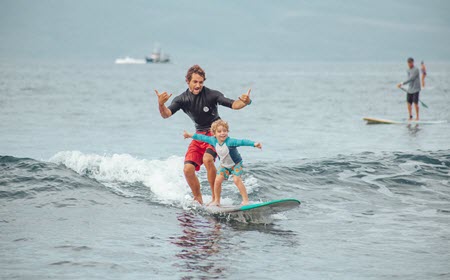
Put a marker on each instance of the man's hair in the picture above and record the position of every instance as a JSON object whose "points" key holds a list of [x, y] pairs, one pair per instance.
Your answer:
{"points": [[197, 70], [218, 123], [410, 59]]}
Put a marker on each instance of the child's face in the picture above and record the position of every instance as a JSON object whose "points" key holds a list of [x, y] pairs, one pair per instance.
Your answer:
{"points": [[221, 133]]}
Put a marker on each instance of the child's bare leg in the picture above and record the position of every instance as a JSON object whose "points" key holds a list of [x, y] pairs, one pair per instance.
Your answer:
{"points": [[217, 190], [238, 182]]}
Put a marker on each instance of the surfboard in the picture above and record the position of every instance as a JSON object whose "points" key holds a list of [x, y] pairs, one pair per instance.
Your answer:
{"points": [[379, 121], [384, 121], [269, 207]]}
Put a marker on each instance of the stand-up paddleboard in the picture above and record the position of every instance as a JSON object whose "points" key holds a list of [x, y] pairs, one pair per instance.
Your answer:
{"points": [[384, 121], [379, 121], [269, 207]]}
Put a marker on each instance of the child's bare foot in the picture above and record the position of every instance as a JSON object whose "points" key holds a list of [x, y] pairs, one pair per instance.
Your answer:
{"points": [[244, 202], [214, 203]]}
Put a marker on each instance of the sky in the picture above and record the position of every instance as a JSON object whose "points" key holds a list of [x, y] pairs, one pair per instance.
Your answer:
{"points": [[226, 30]]}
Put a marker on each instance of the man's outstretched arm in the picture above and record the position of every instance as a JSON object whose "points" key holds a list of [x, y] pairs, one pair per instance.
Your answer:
{"points": [[162, 99], [243, 101]]}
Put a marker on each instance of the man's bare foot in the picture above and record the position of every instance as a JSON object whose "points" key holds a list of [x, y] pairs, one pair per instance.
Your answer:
{"points": [[214, 203], [195, 203], [198, 199], [244, 203]]}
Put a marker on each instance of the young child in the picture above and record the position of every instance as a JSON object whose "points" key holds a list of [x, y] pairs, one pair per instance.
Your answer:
{"points": [[230, 159]]}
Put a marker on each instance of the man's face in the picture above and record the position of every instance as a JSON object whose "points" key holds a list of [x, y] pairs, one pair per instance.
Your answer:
{"points": [[196, 83], [410, 64]]}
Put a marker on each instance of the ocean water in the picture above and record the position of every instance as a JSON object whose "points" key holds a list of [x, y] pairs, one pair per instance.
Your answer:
{"points": [[91, 181]]}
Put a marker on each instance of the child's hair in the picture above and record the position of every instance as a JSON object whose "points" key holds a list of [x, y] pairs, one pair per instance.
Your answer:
{"points": [[218, 123]]}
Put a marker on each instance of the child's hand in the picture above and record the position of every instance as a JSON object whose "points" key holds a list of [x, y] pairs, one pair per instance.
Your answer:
{"points": [[187, 135], [258, 145]]}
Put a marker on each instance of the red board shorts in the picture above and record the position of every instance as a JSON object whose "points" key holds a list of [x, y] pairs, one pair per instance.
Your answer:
{"points": [[197, 149]]}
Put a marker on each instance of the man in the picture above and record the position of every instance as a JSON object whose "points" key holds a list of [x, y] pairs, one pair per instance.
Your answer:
{"points": [[200, 104], [413, 90]]}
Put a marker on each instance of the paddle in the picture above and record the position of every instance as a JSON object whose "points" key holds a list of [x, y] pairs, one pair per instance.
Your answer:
{"points": [[423, 104]]}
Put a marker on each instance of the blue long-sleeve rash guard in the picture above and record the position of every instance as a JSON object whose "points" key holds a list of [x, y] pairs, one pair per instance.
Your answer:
{"points": [[227, 151]]}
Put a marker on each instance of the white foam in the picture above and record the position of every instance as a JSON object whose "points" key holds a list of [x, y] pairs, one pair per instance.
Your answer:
{"points": [[279, 216], [129, 60], [250, 183], [164, 177]]}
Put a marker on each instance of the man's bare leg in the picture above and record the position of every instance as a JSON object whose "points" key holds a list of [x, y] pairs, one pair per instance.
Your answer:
{"points": [[409, 111], [208, 161], [416, 106], [193, 182]]}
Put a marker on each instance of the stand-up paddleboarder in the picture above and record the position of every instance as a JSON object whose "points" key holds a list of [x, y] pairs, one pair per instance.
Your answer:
{"points": [[412, 93]]}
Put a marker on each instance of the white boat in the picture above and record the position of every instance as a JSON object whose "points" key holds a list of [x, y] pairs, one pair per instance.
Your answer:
{"points": [[129, 60], [157, 57]]}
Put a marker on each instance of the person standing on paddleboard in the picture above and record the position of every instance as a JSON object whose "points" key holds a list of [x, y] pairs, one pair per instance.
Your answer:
{"points": [[423, 69], [412, 93], [200, 104]]}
